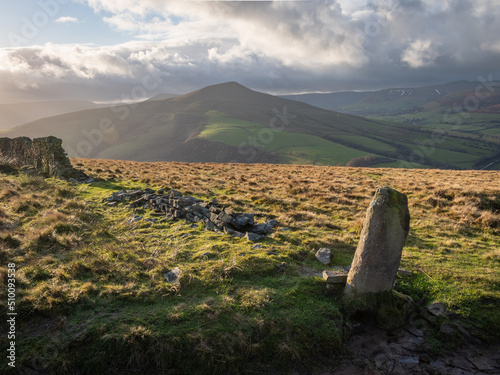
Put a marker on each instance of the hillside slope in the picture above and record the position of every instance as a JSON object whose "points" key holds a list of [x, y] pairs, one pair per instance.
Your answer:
{"points": [[231, 123], [466, 110]]}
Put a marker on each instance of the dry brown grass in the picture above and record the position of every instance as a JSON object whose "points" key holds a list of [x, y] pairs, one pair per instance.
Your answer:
{"points": [[466, 197]]}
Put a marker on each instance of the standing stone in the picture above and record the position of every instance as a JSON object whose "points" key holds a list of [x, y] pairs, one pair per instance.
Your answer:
{"points": [[379, 250]]}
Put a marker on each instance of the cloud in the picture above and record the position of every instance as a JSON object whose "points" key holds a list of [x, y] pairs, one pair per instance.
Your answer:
{"points": [[421, 53], [275, 46], [67, 20]]}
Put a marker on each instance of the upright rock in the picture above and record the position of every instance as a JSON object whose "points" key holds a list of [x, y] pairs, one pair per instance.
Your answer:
{"points": [[378, 254]]}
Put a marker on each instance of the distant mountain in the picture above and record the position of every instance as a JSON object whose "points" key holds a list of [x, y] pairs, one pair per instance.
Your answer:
{"points": [[15, 114], [390, 101], [331, 101], [231, 123]]}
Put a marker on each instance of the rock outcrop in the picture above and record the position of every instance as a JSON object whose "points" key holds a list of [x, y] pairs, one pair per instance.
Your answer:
{"points": [[45, 156], [174, 205], [379, 250]]}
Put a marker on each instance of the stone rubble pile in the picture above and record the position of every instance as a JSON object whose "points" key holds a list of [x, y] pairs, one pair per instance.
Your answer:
{"points": [[174, 205]]}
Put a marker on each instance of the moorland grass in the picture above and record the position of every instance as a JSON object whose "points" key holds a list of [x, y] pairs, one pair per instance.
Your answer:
{"points": [[92, 297]]}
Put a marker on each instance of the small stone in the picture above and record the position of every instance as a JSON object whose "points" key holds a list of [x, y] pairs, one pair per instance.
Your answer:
{"points": [[257, 246], [324, 255], [415, 331], [483, 363], [411, 360], [173, 275], [272, 252], [285, 229], [447, 329], [134, 219], [233, 233], [335, 277], [403, 272], [112, 204], [264, 228], [174, 194], [243, 220], [253, 236], [436, 309]]}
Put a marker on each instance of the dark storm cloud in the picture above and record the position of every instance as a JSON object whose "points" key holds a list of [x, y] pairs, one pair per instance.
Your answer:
{"points": [[270, 46]]}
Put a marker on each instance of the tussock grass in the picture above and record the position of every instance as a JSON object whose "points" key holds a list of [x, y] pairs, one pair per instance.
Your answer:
{"points": [[87, 279]]}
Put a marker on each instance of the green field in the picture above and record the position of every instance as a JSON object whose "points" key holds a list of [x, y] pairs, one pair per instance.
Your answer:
{"points": [[291, 147]]}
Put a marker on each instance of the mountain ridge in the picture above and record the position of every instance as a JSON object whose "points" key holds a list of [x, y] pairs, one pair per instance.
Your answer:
{"points": [[248, 126]]}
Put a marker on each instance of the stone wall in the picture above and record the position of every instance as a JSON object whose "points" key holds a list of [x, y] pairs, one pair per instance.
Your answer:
{"points": [[173, 205], [44, 155]]}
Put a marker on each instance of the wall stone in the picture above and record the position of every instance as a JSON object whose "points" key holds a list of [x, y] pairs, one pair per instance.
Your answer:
{"points": [[44, 155]]}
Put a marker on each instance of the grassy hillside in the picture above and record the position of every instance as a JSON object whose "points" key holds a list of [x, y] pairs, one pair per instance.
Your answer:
{"points": [[230, 123], [467, 114], [92, 298]]}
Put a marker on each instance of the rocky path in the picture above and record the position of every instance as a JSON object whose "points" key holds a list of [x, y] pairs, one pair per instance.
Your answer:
{"points": [[402, 352]]}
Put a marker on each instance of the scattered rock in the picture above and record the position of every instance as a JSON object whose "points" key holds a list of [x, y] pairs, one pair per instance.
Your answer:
{"points": [[402, 271], [173, 276], [324, 255], [174, 205], [415, 331], [383, 236], [437, 309], [447, 329], [335, 277], [483, 363], [253, 236], [257, 246], [134, 219]]}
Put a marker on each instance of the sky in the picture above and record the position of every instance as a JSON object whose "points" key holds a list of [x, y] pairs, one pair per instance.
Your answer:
{"points": [[110, 50]]}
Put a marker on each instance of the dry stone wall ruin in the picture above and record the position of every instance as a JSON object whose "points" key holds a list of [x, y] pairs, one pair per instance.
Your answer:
{"points": [[44, 156], [174, 205]]}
